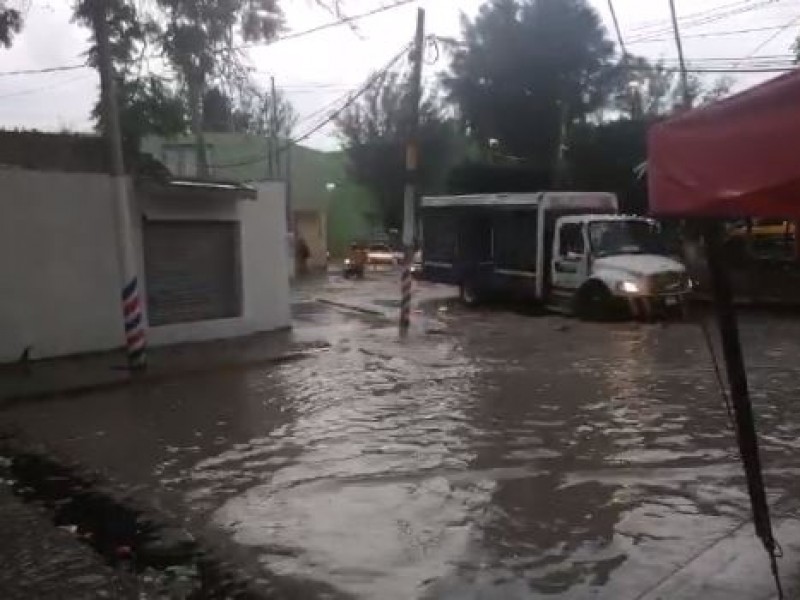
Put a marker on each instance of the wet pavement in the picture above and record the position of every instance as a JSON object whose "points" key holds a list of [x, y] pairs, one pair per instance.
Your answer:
{"points": [[501, 455], [40, 561]]}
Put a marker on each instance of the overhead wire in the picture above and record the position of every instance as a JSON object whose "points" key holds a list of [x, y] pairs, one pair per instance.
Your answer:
{"points": [[336, 23], [290, 36], [347, 100], [772, 37], [708, 34], [43, 88], [620, 39], [702, 18]]}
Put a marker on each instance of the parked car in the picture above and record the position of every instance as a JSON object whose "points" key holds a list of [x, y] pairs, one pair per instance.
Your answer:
{"points": [[416, 265], [381, 255]]}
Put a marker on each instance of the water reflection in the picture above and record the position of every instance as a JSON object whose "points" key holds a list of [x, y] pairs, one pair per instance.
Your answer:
{"points": [[372, 502]]}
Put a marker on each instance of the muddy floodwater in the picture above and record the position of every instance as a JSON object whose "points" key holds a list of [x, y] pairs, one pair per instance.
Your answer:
{"points": [[503, 456]]}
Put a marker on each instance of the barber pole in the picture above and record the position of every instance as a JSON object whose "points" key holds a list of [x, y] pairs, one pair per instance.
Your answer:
{"points": [[135, 337], [405, 300]]}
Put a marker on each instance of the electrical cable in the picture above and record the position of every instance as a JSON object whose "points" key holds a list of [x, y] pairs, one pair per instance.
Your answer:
{"points": [[705, 17], [703, 13], [45, 70], [708, 34], [43, 88], [337, 23], [349, 99], [290, 36], [769, 39]]}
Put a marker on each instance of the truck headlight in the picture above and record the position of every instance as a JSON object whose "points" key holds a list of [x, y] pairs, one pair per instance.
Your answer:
{"points": [[629, 287]]}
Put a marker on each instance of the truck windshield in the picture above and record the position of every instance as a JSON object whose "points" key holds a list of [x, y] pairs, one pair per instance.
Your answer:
{"points": [[625, 237]]}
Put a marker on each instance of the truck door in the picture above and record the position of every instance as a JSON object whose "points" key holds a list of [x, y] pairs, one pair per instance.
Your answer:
{"points": [[570, 258]]}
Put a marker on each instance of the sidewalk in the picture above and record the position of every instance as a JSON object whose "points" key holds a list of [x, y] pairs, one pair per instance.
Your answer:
{"points": [[41, 561], [88, 373]]}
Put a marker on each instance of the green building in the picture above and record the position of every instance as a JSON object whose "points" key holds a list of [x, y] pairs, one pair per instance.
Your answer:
{"points": [[328, 210]]}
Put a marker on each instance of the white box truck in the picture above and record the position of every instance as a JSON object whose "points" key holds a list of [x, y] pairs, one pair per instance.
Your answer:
{"points": [[571, 251]]}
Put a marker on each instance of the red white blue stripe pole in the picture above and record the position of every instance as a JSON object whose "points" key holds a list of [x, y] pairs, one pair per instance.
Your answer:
{"points": [[135, 336]]}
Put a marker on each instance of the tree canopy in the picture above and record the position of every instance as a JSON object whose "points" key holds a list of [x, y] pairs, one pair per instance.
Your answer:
{"points": [[375, 130], [527, 67], [10, 23]]}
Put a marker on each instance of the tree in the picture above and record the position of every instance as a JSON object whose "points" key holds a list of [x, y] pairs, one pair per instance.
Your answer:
{"points": [[375, 130], [251, 112], [527, 70], [148, 104], [10, 23], [642, 89], [199, 39]]}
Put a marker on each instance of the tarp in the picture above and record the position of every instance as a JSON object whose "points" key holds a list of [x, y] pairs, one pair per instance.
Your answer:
{"points": [[739, 157]]}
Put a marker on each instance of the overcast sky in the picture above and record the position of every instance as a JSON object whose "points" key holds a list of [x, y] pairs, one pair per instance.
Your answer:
{"points": [[317, 69]]}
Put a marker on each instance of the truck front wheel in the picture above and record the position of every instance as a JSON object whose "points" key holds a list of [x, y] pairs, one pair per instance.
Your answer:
{"points": [[594, 302]]}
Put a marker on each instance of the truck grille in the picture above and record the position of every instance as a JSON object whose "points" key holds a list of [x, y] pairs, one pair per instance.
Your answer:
{"points": [[670, 282]]}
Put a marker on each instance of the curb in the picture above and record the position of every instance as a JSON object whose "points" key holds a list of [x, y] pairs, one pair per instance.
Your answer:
{"points": [[156, 376], [353, 307]]}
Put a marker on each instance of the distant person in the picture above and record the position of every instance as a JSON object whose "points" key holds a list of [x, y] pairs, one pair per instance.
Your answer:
{"points": [[302, 254]]}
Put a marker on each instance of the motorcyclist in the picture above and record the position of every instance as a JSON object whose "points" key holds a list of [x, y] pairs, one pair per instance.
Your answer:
{"points": [[356, 261]]}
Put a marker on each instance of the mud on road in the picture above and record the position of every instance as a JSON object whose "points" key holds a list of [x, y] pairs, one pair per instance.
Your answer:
{"points": [[506, 456]]}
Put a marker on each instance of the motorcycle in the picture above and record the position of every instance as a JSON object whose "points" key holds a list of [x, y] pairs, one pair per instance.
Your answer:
{"points": [[353, 269]]}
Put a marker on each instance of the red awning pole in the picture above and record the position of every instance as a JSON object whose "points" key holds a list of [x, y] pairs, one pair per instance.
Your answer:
{"points": [[740, 398]]}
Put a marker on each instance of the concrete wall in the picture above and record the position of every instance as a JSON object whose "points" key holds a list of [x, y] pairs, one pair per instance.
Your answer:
{"points": [[59, 283], [265, 274], [59, 277], [312, 227]]}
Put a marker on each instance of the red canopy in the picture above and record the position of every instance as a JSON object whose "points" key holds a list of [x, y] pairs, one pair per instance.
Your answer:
{"points": [[739, 157]]}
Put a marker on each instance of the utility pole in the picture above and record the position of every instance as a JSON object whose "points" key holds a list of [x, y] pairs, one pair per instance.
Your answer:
{"points": [[274, 127], [687, 98], [412, 173], [135, 336]]}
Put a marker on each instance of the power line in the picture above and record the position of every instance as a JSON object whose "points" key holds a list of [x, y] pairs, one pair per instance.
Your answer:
{"points": [[707, 34], [291, 36], [44, 87], [704, 17], [656, 23], [763, 44], [337, 23], [349, 99], [354, 96], [45, 70]]}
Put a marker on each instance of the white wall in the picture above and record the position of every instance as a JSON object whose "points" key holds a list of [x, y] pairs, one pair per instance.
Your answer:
{"points": [[59, 277], [59, 282], [265, 275]]}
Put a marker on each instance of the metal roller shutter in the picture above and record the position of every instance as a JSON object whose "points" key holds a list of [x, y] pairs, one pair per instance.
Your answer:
{"points": [[192, 270]]}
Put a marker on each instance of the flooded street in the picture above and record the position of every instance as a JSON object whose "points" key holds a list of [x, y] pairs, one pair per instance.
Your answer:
{"points": [[503, 456]]}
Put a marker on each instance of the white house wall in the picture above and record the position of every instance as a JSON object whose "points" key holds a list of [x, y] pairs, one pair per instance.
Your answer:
{"points": [[59, 276], [59, 282]]}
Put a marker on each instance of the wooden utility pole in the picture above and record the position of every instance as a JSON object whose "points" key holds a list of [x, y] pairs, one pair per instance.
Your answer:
{"points": [[135, 336], [687, 97], [276, 150], [412, 173]]}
